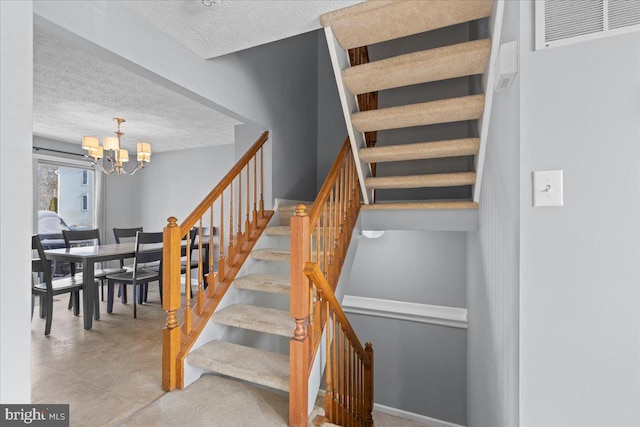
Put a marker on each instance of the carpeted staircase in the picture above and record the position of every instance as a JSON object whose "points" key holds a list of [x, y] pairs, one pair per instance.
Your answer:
{"points": [[367, 24], [246, 363]]}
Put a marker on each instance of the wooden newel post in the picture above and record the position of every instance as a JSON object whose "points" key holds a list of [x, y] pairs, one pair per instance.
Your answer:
{"points": [[299, 346], [171, 372], [368, 386]]}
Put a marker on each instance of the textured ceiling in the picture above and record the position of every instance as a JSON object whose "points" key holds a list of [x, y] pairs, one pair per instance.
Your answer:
{"points": [[232, 25], [76, 94]]}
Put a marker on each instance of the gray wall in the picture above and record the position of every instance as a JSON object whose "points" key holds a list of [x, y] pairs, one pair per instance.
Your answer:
{"points": [[284, 78], [16, 112], [579, 293], [421, 267], [493, 264], [419, 368]]}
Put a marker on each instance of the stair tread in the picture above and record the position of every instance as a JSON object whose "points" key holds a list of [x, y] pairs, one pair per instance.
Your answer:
{"points": [[463, 59], [245, 363], [278, 230], [426, 204], [421, 150], [420, 181], [367, 23], [264, 283], [255, 318], [425, 113], [271, 254]]}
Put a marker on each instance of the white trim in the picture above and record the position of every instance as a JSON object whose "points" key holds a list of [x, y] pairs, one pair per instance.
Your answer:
{"points": [[432, 422], [84, 163], [349, 105], [454, 317], [489, 86]]}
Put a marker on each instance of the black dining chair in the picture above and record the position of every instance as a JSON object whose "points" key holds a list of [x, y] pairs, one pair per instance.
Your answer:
{"points": [[123, 235], [45, 288], [89, 238], [148, 256]]}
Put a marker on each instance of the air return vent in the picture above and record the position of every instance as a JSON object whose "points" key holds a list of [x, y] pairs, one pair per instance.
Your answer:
{"points": [[560, 22]]}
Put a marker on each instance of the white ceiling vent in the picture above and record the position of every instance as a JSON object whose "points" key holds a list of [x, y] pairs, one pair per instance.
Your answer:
{"points": [[560, 22]]}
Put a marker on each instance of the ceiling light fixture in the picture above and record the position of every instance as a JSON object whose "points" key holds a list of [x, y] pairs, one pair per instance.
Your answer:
{"points": [[116, 156], [209, 3]]}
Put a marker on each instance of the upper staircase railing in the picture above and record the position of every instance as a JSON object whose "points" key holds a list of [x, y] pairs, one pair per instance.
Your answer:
{"points": [[234, 215], [319, 243]]}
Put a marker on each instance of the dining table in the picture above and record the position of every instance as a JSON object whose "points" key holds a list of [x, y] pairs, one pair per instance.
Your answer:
{"points": [[88, 256]]}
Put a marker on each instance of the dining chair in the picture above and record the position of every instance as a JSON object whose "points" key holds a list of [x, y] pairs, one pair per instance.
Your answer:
{"points": [[89, 237], [46, 288], [148, 255], [123, 235]]}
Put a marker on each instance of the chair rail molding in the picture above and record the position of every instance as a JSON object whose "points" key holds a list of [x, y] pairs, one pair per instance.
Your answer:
{"points": [[453, 317]]}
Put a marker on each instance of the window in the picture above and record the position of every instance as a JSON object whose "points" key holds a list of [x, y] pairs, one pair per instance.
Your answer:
{"points": [[85, 202], [68, 190]]}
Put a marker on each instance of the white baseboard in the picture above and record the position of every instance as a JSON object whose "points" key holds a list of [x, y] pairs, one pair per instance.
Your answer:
{"points": [[432, 422], [454, 317]]}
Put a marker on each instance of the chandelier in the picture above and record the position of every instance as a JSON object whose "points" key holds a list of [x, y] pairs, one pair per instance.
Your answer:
{"points": [[115, 156]]}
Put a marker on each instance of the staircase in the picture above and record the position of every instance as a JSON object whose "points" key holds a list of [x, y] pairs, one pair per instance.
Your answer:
{"points": [[403, 164], [270, 308], [248, 363]]}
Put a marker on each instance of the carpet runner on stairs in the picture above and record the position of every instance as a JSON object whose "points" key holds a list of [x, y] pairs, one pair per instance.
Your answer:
{"points": [[246, 363], [255, 365]]}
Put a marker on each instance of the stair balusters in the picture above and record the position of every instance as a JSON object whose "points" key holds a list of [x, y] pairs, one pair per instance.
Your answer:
{"points": [[319, 243], [233, 248]]}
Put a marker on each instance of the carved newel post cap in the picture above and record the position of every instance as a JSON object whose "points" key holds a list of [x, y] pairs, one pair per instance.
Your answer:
{"points": [[172, 221], [301, 210]]}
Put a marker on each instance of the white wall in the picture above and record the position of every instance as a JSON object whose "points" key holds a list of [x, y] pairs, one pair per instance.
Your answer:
{"points": [[176, 181], [580, 274], [493, 264], [16, 90]]}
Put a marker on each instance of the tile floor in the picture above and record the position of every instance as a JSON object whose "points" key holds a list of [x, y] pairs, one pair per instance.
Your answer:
{"points": [[110, 372]]}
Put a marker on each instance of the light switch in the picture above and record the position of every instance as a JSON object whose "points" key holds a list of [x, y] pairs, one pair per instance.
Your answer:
{"points": [[547, 188]]}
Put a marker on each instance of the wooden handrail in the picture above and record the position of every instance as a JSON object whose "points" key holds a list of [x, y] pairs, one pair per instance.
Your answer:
{"points": [[313, 272], [245, 227], [327, 185], [349, 372], [206, 203], [322, 239]]}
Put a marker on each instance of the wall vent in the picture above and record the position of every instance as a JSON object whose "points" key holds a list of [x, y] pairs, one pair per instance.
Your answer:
{"points": [[561, 22]]}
